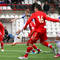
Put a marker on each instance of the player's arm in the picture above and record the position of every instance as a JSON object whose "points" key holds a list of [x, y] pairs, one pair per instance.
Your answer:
{"points": [[18, 18], [33, 24], [28, 22], [30, 27], [18, 32], [50, 19], [14, 19]]}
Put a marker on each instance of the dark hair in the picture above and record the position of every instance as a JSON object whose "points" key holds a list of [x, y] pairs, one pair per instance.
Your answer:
{"points": [[36, 5]]}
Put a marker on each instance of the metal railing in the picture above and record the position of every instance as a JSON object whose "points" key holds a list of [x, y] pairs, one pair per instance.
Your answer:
{"points": [[14, 6]]}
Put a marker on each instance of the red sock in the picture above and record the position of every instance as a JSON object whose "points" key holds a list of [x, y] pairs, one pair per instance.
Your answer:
{"points": [[2, 45], [35, 47], [47, 44], [28, 50], [33, 50], [50, 46]]}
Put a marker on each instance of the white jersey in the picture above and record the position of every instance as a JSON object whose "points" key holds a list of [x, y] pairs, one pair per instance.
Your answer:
{"points": [[23, 21]]}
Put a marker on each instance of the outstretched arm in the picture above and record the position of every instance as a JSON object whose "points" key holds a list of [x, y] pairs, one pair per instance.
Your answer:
{"points": [[28, 22], [14, 19], [50, 19], [18, 18]]}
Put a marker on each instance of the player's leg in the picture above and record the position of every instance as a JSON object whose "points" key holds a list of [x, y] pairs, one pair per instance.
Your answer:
{"points": [[46, 43], [35, 47], [29, 48], [36, 38], [15, 38], [2, 44], [58, 47]]}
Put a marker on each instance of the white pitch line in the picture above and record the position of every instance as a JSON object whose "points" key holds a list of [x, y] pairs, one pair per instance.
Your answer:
{"points": [[18, 56], [25, 50], [14, 50]]}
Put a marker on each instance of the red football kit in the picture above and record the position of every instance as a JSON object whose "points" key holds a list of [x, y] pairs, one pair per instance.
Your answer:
{"points": [[31, 27], [40, 31], [1, 31]]}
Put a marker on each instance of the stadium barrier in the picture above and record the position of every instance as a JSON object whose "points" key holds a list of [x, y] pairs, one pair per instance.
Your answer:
{"points": [[14, 6]]}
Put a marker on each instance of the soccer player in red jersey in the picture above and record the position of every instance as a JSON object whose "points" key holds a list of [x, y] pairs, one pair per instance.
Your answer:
{"points": [[39, 31], [1, 36], [31, 27]]}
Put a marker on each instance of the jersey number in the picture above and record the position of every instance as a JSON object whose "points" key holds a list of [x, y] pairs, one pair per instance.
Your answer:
{"points": [[40, 19]]}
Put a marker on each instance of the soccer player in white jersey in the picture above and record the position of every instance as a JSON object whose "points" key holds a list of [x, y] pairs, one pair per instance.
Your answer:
{"points": [[57, 41], [24, 17]]}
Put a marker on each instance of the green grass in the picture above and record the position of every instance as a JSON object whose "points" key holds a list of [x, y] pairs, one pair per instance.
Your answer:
{"points": [[13, 52]]}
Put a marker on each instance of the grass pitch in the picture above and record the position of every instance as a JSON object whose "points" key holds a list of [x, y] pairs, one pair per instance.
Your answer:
{"points": [[13, 52]]}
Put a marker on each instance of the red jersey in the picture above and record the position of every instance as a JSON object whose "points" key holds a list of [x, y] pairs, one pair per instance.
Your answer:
{"points": [[39, 18], [31, 26], [1, 28]]}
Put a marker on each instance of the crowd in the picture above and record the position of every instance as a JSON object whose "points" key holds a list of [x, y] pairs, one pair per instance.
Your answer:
{"points": [[16, 4]]}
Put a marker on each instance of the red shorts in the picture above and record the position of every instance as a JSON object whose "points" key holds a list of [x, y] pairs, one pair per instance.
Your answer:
{"points": [[36, 36], [1, 36]]}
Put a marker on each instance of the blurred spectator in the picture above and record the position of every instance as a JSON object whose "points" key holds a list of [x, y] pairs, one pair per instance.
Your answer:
{"points": [[21, 1], [6, 31], [2, 2], [59, 8], [7, 1], [39, 2], [13, 1], [10, 1], [10, 36], [46, 7], [17, 1], [6, 34], [49, 1]]}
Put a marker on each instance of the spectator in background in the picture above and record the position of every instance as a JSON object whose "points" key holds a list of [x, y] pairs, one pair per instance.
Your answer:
{"points": [[46, 7], [49, 1], [14, 1], [20, 1], [17, 1], [6, 33], [10, 36], [7, 1], [59, 8], [7, 36], [39, 2], [2, 2]]}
